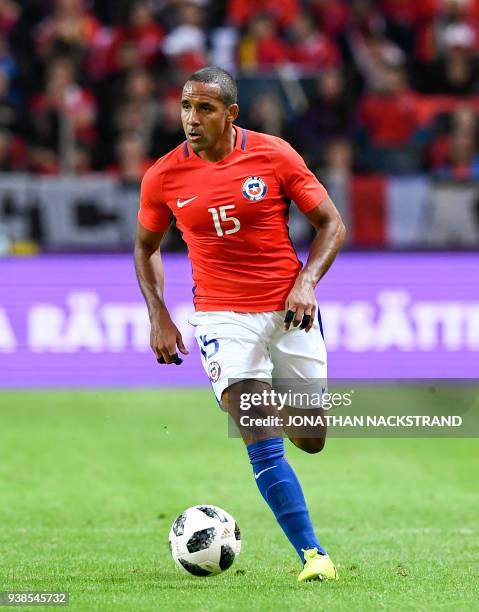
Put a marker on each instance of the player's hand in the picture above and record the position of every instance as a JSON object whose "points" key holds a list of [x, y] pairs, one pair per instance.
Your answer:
{"points": [[300, 306], [165, 337]]}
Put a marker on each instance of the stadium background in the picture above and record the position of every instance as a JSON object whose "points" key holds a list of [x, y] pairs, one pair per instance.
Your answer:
{"points": [[371, 93], [382, 99]]}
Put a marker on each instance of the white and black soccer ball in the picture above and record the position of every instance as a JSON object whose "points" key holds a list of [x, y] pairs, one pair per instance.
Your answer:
{"points": [[205, 540]]}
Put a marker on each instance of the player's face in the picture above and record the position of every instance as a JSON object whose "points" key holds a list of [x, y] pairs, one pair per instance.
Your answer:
{"points": [[206, 119]]}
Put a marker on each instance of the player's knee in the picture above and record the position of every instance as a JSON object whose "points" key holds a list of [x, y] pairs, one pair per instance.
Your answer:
{"points": [[314, 446], [311, 446], [234, 397], [256, 422]]}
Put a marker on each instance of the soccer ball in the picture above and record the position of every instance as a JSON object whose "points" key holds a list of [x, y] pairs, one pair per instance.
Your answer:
{"points": [[204, 540]]}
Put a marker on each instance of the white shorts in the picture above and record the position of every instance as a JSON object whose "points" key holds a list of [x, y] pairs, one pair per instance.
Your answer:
{"points": [[238, 345]]}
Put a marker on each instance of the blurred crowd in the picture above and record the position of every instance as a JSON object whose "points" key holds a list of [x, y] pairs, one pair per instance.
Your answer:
{"points": [[389, 86]]}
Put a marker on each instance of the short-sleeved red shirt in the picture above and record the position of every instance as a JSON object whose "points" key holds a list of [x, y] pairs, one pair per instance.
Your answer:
{"points": [[233, 217]]}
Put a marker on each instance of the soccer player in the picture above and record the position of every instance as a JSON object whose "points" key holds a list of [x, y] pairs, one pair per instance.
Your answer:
{"points": [[255, 310]]}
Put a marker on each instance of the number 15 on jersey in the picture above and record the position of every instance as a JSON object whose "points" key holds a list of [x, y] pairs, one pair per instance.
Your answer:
{"points": [[221, 218]]}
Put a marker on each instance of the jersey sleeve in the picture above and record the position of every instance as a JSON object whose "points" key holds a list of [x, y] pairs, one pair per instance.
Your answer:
{"points": [[154, 214], [297, 180]]}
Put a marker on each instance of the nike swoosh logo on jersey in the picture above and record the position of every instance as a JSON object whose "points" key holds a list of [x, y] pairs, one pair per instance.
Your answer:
{"points": [[181, 203], [257, 475]]}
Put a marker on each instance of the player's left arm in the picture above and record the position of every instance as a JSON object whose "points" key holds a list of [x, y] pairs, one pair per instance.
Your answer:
{"points": [[330, 235]]}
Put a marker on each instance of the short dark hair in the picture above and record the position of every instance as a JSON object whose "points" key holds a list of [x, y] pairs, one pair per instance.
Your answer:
{"points": [[218, 76]]}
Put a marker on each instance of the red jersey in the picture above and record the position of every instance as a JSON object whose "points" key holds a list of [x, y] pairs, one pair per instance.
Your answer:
{"points": [[233, 216]]}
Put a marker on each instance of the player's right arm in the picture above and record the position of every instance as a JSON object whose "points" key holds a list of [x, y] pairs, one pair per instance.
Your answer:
{"points": [[154, 219], [165, 336]]}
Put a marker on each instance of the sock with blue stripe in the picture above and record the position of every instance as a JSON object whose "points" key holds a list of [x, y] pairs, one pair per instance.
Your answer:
{"points": [[282, 492]]}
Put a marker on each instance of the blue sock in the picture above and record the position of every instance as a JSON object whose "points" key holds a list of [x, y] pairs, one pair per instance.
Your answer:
{"points": [[282, 492]]}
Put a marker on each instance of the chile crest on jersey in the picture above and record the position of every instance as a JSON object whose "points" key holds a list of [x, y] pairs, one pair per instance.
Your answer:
{"points": [[254, 188]]}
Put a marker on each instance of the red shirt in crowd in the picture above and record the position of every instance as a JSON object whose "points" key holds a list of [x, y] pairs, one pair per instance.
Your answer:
{"points": [[389, 120], [147, 39], [240, 12], [315, 53]]}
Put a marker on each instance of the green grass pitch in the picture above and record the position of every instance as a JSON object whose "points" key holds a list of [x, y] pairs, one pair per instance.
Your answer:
{"points": [[90, 482]]}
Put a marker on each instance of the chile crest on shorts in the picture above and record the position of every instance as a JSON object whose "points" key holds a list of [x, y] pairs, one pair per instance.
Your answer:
{"points": [[214, 371], [254, 188]]}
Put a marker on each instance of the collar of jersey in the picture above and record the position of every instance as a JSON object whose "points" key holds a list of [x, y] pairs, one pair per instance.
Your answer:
{"points": [[240, 145]]}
